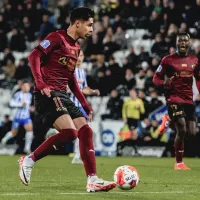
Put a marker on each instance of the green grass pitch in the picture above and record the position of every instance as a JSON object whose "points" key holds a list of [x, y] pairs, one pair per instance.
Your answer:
{"points": [[55, 178]]}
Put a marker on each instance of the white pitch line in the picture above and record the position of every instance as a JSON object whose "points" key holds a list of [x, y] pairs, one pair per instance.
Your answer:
{"points": [[84, 193]]}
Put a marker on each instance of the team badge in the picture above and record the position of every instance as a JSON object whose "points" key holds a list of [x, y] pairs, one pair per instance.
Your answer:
{"points": [[45, 44], [192, 66]]}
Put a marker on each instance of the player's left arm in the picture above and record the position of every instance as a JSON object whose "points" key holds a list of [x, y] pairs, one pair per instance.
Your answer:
{"points": [[74, 87], [197, 75]]}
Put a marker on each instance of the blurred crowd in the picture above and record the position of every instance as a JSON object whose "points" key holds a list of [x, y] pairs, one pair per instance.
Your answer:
{"points": [[24, 23]]}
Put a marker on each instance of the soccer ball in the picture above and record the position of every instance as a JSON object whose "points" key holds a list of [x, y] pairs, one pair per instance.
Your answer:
{"points": [[126, 177]]}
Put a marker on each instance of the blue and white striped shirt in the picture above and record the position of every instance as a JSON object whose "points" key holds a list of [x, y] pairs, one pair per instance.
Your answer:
{"points": [[82, 82], [17, 102]]}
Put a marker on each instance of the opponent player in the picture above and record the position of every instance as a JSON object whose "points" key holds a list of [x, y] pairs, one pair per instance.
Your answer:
{"points": [[179, 69], [21, 101], [82, 82], [58, 54]]}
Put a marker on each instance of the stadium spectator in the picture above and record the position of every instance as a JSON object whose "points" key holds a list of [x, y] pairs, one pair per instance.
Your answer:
{"points": [[114, 107], [46, 27], [23, 70], [130, 80], [17, 41], [154, 102]]}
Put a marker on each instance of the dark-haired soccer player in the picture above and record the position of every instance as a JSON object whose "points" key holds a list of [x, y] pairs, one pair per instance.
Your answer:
{"points": [[179, 69], [53, 63]]}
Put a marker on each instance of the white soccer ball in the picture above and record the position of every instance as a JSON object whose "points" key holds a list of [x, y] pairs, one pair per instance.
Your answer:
{"points": [[126, 177]]}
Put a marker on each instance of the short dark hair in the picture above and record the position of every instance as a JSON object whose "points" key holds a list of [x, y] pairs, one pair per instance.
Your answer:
{"points": [[183, 34], [83, 13], [25, 81]]}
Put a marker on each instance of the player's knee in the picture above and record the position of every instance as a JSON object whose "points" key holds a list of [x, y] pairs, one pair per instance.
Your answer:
{"points": [[85, 132], [70, 134]]}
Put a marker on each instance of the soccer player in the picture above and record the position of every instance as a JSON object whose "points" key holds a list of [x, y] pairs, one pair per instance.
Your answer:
{"points": [[53, 63], [21, 101], [82, 82], [179, 69]]}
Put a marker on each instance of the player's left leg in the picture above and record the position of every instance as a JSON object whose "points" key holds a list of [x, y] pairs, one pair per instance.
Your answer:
{"points": [[177, 115], [85, 135], [191, 119], [191, 127], [180, 125], [28, 126]]}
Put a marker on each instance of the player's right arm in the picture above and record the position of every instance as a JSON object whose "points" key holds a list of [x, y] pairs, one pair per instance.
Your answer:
{"points": [[159, 76], [43, 49]]}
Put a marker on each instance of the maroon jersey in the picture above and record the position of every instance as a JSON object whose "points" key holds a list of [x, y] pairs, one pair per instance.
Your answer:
{"points": [[58, 64], [181, 70]]}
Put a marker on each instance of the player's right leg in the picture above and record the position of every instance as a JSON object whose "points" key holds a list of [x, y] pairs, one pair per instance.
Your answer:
{"points": [[55, 113], [12, 133], [66, 134]]}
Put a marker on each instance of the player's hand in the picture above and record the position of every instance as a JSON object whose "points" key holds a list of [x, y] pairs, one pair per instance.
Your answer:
{"points": [[46, 91], [96, 92], [125, 121], [32, 109], [90, 116], [24, 104], [168, 81]]}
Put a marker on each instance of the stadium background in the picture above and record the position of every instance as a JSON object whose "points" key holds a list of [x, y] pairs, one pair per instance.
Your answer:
{"points": [[130, 38]]}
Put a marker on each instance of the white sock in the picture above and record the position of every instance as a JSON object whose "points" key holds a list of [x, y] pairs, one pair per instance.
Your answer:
{"points": [[76, 149], [28, 161], [7, 137], [28, 140], [91, 179]]}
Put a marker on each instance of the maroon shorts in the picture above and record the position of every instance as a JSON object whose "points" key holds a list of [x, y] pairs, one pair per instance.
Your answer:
{"points": [[179, 110]]}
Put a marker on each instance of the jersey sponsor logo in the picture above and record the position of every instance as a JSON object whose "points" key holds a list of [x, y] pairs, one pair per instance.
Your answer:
{"points": [[45, 44], [62, 60], [159, 68], [68, 62], [183, 74], [71, 64]]}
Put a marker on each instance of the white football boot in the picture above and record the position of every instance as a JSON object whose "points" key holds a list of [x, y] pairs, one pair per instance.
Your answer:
{"points": [[96, 184], [25, 169]]}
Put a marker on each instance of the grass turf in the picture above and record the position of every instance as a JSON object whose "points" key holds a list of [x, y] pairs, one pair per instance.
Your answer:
{"points": [[54, 177]]}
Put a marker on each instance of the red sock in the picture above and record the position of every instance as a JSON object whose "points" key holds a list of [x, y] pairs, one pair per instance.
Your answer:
{"points": [[87, 150], [51, 144], [179, 151]]}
